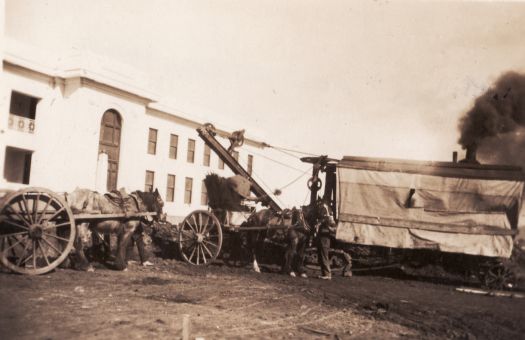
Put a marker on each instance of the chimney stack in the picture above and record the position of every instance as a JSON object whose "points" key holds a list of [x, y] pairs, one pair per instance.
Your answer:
{"points": [[470, 156]]}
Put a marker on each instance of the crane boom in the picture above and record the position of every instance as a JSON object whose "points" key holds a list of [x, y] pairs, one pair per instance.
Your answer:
{"points": [[208, 136]]}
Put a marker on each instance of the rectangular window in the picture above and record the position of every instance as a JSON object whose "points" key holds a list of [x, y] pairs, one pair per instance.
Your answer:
{"points": [[150, 179], [221, 164], [23, 105], [236, 155], [174, 144], [250, 164], [152, 141], [17, 165], [22, 112], [207, 155], [170, 190], [188, 187], [204, 194], [191, 151]]}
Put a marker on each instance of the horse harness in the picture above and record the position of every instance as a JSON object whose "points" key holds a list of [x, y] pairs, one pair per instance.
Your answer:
{"points": [[123, 200]]}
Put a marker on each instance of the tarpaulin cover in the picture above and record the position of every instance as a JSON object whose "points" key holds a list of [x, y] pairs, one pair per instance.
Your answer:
{"points": [[411, 210]]}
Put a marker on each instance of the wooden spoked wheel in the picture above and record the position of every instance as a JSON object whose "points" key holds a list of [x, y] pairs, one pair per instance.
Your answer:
{"points": [[37, 231], [200, 238]]}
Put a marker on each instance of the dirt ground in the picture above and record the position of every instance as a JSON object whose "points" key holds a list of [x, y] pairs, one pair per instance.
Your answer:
{"points": [[235, 303]]}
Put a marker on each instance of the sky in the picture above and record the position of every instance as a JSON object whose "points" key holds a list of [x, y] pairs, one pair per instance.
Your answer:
{"points": [[362, 78]]}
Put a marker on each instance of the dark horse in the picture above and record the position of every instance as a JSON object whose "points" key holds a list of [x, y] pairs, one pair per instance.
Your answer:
{"points": [[295, 233], [85, 200]]}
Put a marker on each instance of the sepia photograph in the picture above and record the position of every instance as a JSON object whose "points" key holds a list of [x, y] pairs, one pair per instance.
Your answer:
{"points": [[242, 169]]}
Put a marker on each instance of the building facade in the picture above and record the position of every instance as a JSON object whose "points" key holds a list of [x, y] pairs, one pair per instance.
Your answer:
{"points": [[88, 122]]}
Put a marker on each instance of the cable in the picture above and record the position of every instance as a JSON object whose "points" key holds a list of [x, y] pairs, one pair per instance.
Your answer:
{"points": [[305, 198], [295, 180], [275, 161], [287, 153], [259, 179], [291, 150]]}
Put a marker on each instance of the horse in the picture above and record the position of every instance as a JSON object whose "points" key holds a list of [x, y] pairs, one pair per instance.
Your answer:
{"points": [[296, 237], [85, 200]]}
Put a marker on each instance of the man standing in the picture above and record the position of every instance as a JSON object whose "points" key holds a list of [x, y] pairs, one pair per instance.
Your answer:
{"points": [[325, 231]]}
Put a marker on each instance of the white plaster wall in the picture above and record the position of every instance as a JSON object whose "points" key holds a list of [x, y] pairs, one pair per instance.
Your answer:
{"points": [[163, 165], [35, 85], [66, 138], [133, 134]]}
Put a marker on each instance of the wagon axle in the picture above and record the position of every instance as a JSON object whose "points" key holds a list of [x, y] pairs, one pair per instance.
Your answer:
{"points": [[36, 231]]}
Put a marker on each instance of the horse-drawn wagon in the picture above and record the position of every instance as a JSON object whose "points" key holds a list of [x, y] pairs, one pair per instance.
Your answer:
{"points": [[38, 228], [200, 234]]}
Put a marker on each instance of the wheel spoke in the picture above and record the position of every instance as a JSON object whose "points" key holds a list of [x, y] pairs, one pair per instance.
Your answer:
{"points": [[206, 248], [12, 245], [58, 225], [14, 234], [56, 213], [194, 221], [56, 237], [189, 245], [200, 222], [26, 259], [26, 206], [35, 207], [11, 222], [22, 214], [51, 245], [192, 253], [43, 214], [23, 255], [203, 255], [191, 227], [19, 216], [34, 254], [43, 253], [188, 239], [206, 223], [198, 252], [211, 244]]}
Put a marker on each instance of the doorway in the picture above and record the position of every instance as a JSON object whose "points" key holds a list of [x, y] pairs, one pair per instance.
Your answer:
{"points": [[109, 143]]}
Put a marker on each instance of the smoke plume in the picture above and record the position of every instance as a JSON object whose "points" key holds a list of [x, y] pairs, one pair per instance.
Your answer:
{"points": [[496, 122]]}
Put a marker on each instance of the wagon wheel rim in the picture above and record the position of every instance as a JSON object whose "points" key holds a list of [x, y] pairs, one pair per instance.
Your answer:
{"points": [[37, 231], [200, 238]]}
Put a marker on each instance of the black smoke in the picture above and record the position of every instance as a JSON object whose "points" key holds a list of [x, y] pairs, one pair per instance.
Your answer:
{"points": [[496, 122]]}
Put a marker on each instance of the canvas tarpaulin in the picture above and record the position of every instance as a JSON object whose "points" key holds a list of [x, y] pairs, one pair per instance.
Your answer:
{"points": [[411, 210]]}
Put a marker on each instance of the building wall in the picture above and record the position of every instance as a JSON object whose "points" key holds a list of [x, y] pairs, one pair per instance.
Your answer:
{"points": [[65, 141]]}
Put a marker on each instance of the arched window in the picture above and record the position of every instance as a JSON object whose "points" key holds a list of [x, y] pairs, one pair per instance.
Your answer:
{"points": [[110, 128]]}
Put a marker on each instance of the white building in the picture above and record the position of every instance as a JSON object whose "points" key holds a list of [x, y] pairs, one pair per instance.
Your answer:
{"points": [[83, 121]]}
